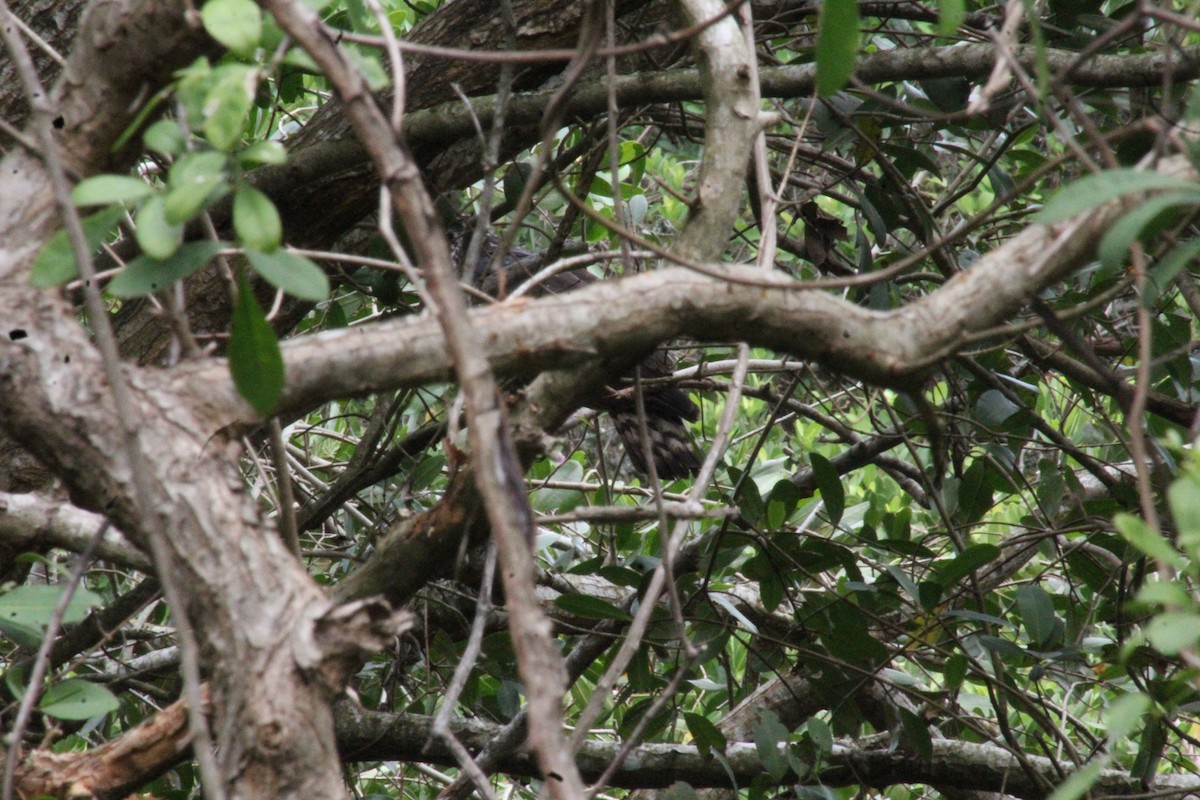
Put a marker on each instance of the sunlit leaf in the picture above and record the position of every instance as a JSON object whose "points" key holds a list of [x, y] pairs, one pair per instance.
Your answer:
{"points": [[1123, 715], [291, 272], [1173, 631], [1147, 540], [950, 15], [257, 221], [101, 190], [237, 24], [157, 237]]}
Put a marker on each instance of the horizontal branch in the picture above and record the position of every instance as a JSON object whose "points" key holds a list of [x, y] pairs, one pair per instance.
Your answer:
{"points": [[971, 61], [28, 521], [377, 736], [616, 320]]}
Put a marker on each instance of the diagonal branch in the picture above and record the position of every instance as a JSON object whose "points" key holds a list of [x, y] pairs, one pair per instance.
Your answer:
{"points": [[497, 468]]}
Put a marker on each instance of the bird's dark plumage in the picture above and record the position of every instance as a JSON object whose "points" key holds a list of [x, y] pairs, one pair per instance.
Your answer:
{"points": [[667, 408]]}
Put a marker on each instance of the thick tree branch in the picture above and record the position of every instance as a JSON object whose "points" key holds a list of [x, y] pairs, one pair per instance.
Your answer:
{"points": [[370, 736], [613, 318]]}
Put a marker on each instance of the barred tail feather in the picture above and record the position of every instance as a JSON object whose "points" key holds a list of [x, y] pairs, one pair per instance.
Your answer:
{"points": [[672, 449]]}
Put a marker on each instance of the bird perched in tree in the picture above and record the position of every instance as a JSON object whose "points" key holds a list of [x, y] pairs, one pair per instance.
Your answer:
{"points": [[667, 407]]}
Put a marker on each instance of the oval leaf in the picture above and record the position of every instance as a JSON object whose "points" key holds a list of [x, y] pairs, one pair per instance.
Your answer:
{"points": [[166, 137], [830, 484], [257, 221], [262, 153], [77, 699], [33, 605], [101, 190], [1037, 612], [292, 273], [237, 24], [55, 264], [194, 179], [582, 605], [1174, 631], [157, 237], [145, 275], [837, 44], [226, 107], [254, 358]]}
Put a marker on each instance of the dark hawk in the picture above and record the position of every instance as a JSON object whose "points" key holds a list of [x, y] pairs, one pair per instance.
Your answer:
{"points": [[667, 408]]}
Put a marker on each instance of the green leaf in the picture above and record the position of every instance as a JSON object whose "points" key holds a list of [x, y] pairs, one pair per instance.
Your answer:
{"points": [[916, 733], [1122, 715], [145, 275], [830, 485], [1170, 265], [157, 237], [194, 180], [1114, 245], [1183, 497], [993, 408], [101, 190], [292, 273], [1163, 593], [1037, 613], [33, 606], [822, 736], [1173, 631], [237, 24], [837, 44], [262, 153], [952, 571], [974, 493], [166, 137], [77, 699], [1149, 541], [955, 671], [551, 501], [55, 264], [1077, 785], [582, 605], [724, 602], [951, 14], [769, 733], [515, 179], [705, 734], [254, 358], [1092, 191], [257, 222], [226, 106]]}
